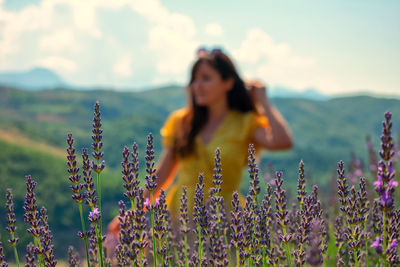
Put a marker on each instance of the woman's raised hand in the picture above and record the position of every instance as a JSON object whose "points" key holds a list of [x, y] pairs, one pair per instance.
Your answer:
{"points": [[258, 92]]}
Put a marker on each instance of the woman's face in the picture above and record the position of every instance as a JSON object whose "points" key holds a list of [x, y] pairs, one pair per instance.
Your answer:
{"points": [[208, 87]]}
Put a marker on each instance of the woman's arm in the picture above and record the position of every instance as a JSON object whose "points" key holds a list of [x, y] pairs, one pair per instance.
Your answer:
{"points": [[278, 135], [166, 169]]}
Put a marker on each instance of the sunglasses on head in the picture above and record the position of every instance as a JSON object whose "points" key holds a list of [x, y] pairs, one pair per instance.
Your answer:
{"points": [[201, 52]]}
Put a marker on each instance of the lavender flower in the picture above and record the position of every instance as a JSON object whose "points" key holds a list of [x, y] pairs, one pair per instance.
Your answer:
{"points": [[248, 231], [73, 258], [150, 176], [266, 210], [314, 254], [94, 216], [339, 239], [199, 216], [385, 185], [45, 239], [217, 176], [281, 213], [98, 167], [140, 229], [31, 215], [90, 194], [2, 261], [301, 185], [73, 170], [126, 251], [253, 172], [236, 226], [184, 220], [377, 245], [30, 255], [128, 176], [131, 177], [93, 251], [160, 227], [96, 137], [306, 217], [216, 201], [11, 228]]}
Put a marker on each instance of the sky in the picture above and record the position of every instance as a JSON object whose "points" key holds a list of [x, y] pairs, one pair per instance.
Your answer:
{"points": [[334, 47]]}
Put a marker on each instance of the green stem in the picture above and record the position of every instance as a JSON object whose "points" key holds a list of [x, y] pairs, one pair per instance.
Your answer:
{"points": [[186, 250], [133, 205], [355, 257], [100, 245], [229, 254], [287, 248], [200, 252], [15, 251], [237, 256], [141, 257], [152, 227], [99, 196], [384, 238], [167, 245], [176, 253], [366, 242], [37, 244], [84, 234]]}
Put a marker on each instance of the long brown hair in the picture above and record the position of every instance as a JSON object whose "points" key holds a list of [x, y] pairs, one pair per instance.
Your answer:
{"points": [[196, 116]]}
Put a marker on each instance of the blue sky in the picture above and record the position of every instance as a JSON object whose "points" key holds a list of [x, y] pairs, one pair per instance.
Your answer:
{"points": [[332, 46]]}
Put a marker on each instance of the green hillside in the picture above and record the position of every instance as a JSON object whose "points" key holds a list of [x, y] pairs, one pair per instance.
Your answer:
{"points": [[34, 126]]}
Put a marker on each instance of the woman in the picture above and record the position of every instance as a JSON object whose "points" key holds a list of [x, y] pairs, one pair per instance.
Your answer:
{"points": [[224, 112]]}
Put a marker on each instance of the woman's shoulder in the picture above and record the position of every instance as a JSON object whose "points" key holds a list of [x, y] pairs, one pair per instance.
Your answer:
{"points": [[179, 113], [249, 121], [174, 119]]}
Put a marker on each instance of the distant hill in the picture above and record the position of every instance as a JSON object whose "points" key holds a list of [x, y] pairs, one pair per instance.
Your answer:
{"points": [[45, 79], [310, 94], [34, 79]]}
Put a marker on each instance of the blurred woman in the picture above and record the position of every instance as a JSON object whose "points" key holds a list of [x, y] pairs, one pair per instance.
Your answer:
{"points": [[222, 111]]}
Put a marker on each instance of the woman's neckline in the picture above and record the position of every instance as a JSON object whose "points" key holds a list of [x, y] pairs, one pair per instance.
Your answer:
{"points": [[216, 130]]}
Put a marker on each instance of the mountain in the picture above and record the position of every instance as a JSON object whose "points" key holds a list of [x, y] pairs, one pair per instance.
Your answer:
{"points": [[311, 94], [34, 79]]}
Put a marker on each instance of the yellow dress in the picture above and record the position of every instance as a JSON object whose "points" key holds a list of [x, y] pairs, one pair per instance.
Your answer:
{"points": [[232, 136]]}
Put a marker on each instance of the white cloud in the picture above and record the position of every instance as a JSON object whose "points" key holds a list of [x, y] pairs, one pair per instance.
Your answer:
{"points": [[213, 29], [59, 64], [123, 67], [60, 40], [171, 38], [276, 64], [67, 31]]}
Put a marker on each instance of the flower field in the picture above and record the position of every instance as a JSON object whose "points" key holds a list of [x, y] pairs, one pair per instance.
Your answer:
{"points": [[363, 230]]}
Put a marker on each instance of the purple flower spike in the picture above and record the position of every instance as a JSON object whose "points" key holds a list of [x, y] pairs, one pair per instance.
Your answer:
{"points": [[254, 189], [96, 137], [94, 216], [91, 199], [393, 244], [30, 255], [73, 170], [2, 261], [377, 245], [11, 228], [73, 258], [151, 176]]}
